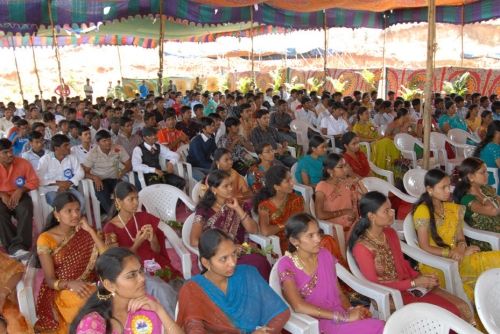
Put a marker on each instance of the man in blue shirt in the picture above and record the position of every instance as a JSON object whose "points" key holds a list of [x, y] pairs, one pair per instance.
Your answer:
{"points": [[19, 136], [201, 149], [143, 90]]}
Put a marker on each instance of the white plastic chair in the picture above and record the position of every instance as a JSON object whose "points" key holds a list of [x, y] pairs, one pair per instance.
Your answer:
{"points": [[413, 181], [328, 227], [187, 226], [195, 193], [160, 200], [38, 216], [389, 175], [438, 147], [183, 151], [300, 129], [376, 184], [140, 177], [487, 297], [423, 318], [405, 144], [92, 204], [494, 171], [460, 136], [26, 296], [486, 236], [449, 267]]}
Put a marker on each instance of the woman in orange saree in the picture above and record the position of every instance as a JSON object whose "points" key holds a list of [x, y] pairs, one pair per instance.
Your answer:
{"points": [[11, 320], [276, 202], [67, 251]]}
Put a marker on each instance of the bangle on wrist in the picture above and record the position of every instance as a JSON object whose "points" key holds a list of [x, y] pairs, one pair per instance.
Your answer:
{"points": [[245, 216], [413, 284], [56, 285], [445, 252]]}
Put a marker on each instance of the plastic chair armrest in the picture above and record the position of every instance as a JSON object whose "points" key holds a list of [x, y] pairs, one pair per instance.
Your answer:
{"points": [[264, 242], [490, 237], [449, 267], [293, 151], [173, 239], [328, 227], [368, 289], [302, 323], [399, 194], [387, 173]]}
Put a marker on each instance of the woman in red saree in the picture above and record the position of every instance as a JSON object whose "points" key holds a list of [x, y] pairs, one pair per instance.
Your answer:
{"points": [[276, 202], [377, 251], [67, 250], [354, 156]]}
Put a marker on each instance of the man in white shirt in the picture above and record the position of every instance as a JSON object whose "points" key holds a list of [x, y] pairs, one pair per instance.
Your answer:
{"points": [[81, 151], [146, 159], [307, 113], [269, 97], [295, 99], [60, 171], [336, 124], [323, 108], [383, 117], [88, 90], [36, 152], [282, 93], [6, 121]]}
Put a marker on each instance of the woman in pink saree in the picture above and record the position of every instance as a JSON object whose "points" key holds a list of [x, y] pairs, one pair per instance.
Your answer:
{"points": [[309, 282]]}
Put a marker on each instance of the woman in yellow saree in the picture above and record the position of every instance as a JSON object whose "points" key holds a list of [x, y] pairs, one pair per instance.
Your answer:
{"points": [[439, 225], [67, 251]]}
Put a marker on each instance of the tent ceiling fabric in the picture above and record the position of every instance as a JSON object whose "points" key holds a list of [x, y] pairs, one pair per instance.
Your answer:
{"points": [[28, 16], [315, 5]]}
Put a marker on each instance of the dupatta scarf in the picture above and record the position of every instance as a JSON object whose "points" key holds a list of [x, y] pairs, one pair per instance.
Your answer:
{"points": [[74, 259], [249, 301]]}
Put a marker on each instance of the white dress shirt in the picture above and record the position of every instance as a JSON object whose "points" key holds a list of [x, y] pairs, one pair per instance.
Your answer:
{"points": [[382, 119], [334, 127], [80, 152], [51, 170], [165, 154]]}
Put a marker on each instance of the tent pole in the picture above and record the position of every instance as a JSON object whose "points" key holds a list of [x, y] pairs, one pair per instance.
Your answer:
{"points": [[325, 54], [56, 51], [17, 68], [431, 47], [119, 63], [251, 40], [160, 50], [462, 34], [384, 70], [36, 72]]}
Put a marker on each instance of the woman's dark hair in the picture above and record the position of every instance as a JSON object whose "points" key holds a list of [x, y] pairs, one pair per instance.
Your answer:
{"points": [[231, 121], [218, 154], [369, 203], [296, 225], [432, 177], [469, 110], [401, 113], [347, 138], [209, 243], [490, 134], [108, 266], [314, 142], [213, 180], [448, 105], [122, 190], [331, 161], [273, 177], [360, 112], [467, 167], [485, 114], [59, 203], [260, 148]]}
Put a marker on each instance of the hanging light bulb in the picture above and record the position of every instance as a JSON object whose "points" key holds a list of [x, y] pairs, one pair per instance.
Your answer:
{"points": [[106, 10], [216, 10], [256, 7]]}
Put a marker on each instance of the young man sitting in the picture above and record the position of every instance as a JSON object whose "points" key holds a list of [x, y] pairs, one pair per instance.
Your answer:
{"points": [[36, 151], [170, 136], [146, 159], [201, 149]]}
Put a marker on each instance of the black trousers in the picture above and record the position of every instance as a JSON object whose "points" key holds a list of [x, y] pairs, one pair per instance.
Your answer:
{"points": [[15, 237], [167, 178], [104, 196]]}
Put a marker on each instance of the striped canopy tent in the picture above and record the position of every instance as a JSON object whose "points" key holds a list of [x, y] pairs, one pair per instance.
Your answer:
{"points": [[32, 16]]}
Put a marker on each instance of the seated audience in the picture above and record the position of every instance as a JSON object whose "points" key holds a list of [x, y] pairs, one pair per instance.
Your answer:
{"points": [[18, 136], [354, 157], [262, 133], [336, 124], [60, 171], [103, 166], [67, 250], [482, 204], [228, 297], [82, 150], [439, 226], [36, 150], [489, 150], [450, 119], [309, 282], [280, 120], [267, 159], [364, 127], [377, 251], [309, 167], [125, 138], [169, 136], [17, 178], [201, 149], [238, 145], [121, 304], [146, 159]]}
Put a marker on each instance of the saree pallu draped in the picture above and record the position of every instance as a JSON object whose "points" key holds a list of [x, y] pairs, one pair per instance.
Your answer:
{"points": [[74, 259], [249, 302], [471, 266]]}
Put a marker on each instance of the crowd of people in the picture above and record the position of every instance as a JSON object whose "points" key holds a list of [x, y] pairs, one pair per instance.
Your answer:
{"points": [[122, 280]]}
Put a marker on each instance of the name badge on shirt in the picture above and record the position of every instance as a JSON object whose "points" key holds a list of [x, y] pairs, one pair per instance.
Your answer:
{"points": [[20, 182], [141, 325], [68, 173]]}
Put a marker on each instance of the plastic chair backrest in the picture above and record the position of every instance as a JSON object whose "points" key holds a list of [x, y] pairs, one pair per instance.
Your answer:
{"points": [[460, 136], [409, 231], [487, 298], [195, 193], [413, 181], [183, 151], [300, 128], [404, 141], [186, 234], [422, 318], [293, 170], [367, 147], [161, 200]]}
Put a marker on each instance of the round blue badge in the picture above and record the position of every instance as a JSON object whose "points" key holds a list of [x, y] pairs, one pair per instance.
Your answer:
{"points": [[20, 182], [68, 173]]}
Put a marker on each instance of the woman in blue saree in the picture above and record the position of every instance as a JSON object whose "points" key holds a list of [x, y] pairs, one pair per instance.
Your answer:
{"points": [[228, 298]]}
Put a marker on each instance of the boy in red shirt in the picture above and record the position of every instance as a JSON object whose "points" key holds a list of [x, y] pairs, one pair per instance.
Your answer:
{"points": [[170, 136]]}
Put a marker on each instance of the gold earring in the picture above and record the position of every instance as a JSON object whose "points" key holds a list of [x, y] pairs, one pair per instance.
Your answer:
{"points": [[105, 297], [117, 206]]}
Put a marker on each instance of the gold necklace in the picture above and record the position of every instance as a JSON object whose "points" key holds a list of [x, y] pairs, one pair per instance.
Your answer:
{"points": [[297, 261], [377, 240]]}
